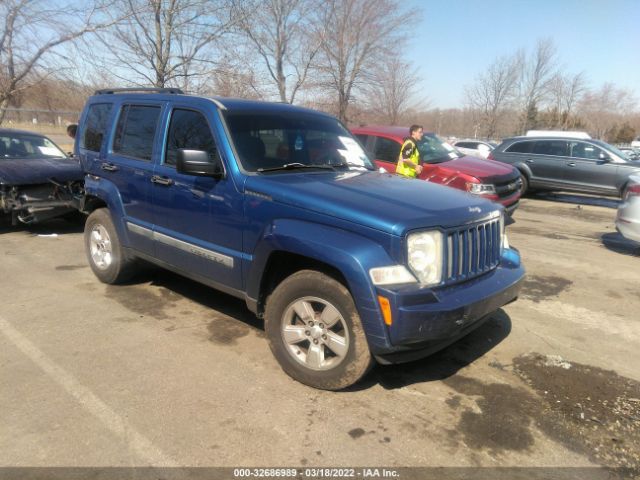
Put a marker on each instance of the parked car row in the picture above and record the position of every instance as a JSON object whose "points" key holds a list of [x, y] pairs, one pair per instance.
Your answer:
{"points": [[445, 165], [557, 163]]}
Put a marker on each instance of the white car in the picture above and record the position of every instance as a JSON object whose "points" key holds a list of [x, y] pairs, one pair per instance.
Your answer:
{"points": [[632, 153], [628, 217], [636, 143], [475, 148]]}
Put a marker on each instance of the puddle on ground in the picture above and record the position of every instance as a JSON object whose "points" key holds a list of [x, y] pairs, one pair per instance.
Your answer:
{"points": [[143, 300], [598, 410], [591, 411], [539, 287], [227, 331], [504, 419]]}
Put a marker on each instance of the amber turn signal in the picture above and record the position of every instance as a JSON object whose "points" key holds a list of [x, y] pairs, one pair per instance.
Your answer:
{"points": [[385, 306]]}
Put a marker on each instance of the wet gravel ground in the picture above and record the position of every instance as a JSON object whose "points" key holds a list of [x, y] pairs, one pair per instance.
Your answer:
{"points": [[164, 371]]}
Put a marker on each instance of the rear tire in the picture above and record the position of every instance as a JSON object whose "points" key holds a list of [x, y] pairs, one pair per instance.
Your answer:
{"points": [[110, 262], [315, 332]]}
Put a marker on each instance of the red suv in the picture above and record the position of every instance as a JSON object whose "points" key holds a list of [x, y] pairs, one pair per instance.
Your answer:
{"points": [[444, 164]]}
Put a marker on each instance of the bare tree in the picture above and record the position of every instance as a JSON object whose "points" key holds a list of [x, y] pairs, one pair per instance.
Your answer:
{"points": [[280, 32], [392, 90], [31, 34], [354, 33], [166, 43], [536, 76], [493, 91], [565, 92], [605, 107]]}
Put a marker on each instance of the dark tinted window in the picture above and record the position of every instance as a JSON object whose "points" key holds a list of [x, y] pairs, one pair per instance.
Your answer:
{"points": [[387, 150], [95, 126], [189, 130], [520, 147], [551, 147], [362, 138], [135, 131]]}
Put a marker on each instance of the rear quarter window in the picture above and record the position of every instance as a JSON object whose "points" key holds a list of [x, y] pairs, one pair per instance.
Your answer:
{"points": [[95, 126], [387, 150]]}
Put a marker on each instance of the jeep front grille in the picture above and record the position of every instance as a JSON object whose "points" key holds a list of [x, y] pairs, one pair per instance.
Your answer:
{"points": [[471, 250]]}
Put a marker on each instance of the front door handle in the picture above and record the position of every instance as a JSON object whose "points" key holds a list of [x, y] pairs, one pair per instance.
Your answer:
{"points": [[529, 160], [109, 167], [571, 164], [165, 181]]}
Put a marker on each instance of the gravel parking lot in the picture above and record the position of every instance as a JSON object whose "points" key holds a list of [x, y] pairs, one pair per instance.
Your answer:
{"points": [[166, 372]]}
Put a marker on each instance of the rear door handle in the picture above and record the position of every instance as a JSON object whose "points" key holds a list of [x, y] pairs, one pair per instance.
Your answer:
{"points": [[529, 160], [109, 167], [571, 164], [166, 181]]}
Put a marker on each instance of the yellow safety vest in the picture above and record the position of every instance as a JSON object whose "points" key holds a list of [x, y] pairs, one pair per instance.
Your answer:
{"points": [[404, 169]]}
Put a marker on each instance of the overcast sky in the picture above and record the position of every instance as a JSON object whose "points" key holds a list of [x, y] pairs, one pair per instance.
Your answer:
{"points": [[456, 39]]}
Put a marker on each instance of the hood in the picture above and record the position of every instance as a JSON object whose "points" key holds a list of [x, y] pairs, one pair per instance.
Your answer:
{"points": [[32, 171], [382, 201], [481, 169]]}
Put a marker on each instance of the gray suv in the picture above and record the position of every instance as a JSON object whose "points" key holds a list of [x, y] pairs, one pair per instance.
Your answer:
{"points": [[557, 163]]}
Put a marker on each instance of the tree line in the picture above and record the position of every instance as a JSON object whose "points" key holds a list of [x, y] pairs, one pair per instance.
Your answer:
{"points": [[327, 54], [340, 56]]}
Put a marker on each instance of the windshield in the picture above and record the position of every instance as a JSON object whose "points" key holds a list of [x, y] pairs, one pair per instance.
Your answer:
{"points": [[268, 142], [612, 149], [434, 149], [25, 145]]}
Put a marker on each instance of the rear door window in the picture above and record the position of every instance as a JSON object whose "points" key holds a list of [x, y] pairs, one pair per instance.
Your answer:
{"points": [[387, 150], [558, 148], [136, 131], [95, 126]]}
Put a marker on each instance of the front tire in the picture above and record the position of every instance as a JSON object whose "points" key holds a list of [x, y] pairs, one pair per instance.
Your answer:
{"points": [[315, 332], [110, 262], [525, 184]]}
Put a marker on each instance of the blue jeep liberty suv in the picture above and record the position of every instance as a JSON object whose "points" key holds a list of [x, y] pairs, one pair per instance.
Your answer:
{"points": [[280, 206]]}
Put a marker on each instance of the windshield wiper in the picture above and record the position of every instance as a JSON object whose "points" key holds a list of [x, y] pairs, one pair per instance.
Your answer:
{"points": [[294, 166]]}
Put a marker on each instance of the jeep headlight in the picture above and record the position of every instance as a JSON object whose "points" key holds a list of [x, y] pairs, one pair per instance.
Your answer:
{"points": [[424, 254]]}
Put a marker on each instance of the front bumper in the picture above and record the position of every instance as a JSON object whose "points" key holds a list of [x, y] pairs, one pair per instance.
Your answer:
{"points": [[628, 219], [426, 320]]}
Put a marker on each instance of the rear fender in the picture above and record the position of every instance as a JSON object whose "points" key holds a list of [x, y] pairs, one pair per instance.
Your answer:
{"points": [[106, 191]]}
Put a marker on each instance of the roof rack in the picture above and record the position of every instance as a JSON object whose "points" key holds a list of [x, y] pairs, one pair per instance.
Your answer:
{"points": [[110, 91]]}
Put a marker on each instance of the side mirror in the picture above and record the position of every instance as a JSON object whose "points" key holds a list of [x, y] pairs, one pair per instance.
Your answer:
{"points": [[604, 157], [198, 162]]}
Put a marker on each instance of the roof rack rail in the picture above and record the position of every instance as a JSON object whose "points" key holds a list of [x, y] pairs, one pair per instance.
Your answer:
{"points": [[109, 91]]}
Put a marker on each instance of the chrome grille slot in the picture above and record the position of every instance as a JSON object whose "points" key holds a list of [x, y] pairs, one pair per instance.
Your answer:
{"points": [[472, 251]]}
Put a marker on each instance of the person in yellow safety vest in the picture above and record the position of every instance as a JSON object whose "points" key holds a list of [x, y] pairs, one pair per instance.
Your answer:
{"points": [[409, 159]]}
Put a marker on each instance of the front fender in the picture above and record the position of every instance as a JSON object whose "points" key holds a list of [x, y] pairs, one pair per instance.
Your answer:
{"points": [[524, 169], [351, 254], [107, 192]]}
